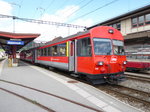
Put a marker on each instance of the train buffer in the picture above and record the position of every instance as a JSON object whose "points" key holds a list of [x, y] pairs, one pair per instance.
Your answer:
{"points": [[32, 88]]}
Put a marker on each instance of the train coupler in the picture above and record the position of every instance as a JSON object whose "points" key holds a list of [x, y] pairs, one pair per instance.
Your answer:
{"points": [[115, 79]]}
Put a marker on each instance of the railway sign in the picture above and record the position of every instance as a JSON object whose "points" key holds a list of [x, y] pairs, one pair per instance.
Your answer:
{"points": [[12, 42]]}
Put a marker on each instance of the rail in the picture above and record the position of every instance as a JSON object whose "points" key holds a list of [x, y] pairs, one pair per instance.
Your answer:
{"points": [[130, 95], [137, 77]]}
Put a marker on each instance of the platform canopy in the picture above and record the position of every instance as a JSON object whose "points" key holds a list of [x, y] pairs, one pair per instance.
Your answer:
{"points": [[18, 40]]}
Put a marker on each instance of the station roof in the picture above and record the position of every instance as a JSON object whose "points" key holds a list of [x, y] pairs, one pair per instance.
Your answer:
{"points": [[6, 36]]}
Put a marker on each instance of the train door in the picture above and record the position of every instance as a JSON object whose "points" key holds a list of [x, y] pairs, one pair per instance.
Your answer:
{"points": [[84, 56], [72, 56]]}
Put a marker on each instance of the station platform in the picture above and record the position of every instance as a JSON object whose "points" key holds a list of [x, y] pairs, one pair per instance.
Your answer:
{"points": [[63, 96]]}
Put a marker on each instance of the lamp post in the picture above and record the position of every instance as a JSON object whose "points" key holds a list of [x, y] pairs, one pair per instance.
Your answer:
{"points": [[14, 24]]}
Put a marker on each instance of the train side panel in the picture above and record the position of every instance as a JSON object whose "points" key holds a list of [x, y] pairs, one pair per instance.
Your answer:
{"points": [[85, 65], [138, 66], [57, 62]]}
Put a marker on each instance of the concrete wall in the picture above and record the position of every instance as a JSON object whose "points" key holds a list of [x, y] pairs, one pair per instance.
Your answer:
{"points": [[126, 27]]}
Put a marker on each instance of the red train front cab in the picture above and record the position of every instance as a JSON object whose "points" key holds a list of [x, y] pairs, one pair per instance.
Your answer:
{"points": [[108, 53]]}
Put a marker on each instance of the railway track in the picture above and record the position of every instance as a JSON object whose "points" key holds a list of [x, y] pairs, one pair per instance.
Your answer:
{"points": [[130, 95], [139, 78], [43, 92], [125, 94]]}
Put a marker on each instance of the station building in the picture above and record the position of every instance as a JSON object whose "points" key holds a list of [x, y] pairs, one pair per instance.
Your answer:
{"points": [[135, 27]]}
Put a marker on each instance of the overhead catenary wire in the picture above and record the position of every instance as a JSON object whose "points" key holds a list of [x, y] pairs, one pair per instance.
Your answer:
{"points": [[76, 5], [49, 5], [42, 21], [65, 2], [94, 10], [81, 7]]}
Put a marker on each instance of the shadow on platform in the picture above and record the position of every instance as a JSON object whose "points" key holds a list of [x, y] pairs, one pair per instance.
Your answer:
{"points": [[21, 63]]}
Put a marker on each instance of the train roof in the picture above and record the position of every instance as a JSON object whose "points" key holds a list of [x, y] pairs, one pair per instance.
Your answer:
{"points": [[59, 39], [68, 37]]}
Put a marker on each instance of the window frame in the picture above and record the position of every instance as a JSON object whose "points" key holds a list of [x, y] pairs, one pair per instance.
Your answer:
{"points": [[134, 25], [49, 51], [79, 50], [53, 50], [147, 22], [110, 46], [141, 23], [59, 47], [114, 45], [116, 25], [144, 22]]}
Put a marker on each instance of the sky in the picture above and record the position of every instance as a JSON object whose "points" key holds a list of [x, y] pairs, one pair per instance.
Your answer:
{"points": [[78, 12]]}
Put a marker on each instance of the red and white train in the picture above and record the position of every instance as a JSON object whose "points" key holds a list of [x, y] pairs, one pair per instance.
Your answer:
{"points": [[139, 61], [96, 55]]}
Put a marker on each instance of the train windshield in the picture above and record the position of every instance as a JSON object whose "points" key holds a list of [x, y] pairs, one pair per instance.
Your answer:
{"points": [[102, 46], [118, 47]]}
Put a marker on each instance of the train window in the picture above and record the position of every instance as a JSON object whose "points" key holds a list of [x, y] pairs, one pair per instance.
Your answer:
{"points": [[102, 46], [62, 49], [45, 52], [118, 47], [55, 50], [49, 53], [41, 52], [72, 49], [84, 47], [28, 53], [38, 52]]}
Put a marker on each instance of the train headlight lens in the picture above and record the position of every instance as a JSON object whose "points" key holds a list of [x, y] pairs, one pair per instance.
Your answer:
{"points": [[100, 63], [125, 62], [111, 31]]}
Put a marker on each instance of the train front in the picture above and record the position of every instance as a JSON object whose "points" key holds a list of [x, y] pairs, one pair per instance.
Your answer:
{"points": [[108, 53]]}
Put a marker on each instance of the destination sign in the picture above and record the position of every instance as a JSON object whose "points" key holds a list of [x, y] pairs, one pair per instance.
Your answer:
{"points": [[12, 42]]}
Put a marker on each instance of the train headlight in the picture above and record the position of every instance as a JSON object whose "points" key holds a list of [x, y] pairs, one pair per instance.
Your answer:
{"points": [[100, 63], [125, 62], [111, 31]]}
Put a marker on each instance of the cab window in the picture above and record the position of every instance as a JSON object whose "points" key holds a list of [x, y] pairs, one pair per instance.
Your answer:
{"points": [[118, 47], [102, 46]]}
